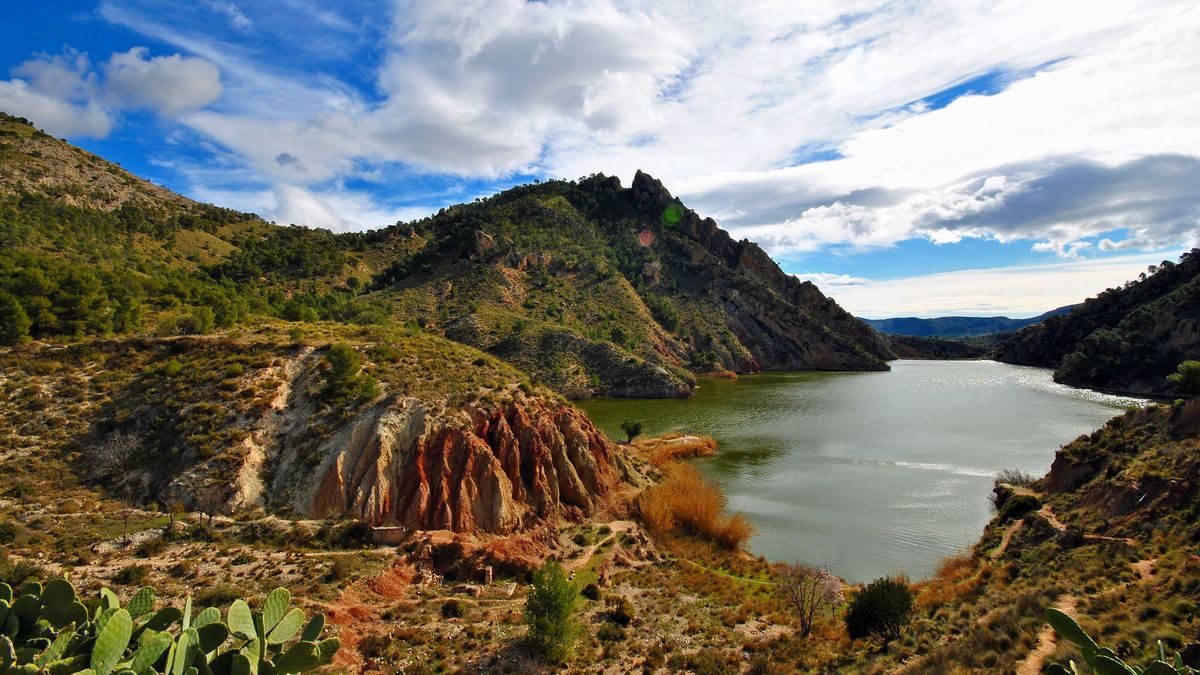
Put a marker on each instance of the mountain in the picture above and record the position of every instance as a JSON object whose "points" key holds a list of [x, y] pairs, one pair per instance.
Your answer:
{"points": [[599, 289], [959, 326], [913, 347], [1127, 339], [196, 345], [589, 287]]}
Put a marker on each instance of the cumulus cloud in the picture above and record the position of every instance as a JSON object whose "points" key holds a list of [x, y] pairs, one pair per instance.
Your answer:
{"points": [[167, 84], [59, 93], [480, 87], [68, 96]]}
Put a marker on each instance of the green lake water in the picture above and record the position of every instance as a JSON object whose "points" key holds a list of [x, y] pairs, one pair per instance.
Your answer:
{"points": [[871, 473]]}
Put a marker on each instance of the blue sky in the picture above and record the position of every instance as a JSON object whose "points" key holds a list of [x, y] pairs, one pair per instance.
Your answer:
{"points": [[925, 158]]}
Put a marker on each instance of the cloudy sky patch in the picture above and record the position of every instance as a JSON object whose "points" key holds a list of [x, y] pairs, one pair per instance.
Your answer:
{"points": [[872, 140]]}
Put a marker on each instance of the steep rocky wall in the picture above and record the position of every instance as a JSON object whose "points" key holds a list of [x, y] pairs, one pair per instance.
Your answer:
{"points": [[783, 322]]}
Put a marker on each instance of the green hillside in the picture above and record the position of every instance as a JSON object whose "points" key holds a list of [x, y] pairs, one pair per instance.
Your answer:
{"points": [[1128, 338], [590, 287]]}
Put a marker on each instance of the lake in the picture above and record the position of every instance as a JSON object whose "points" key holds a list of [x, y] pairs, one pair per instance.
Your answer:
{"points": [[871, 473]]}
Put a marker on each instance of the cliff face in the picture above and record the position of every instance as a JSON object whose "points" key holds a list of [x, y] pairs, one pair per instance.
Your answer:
{"points": [[1129, 338], [508, 468], [784, 323]]}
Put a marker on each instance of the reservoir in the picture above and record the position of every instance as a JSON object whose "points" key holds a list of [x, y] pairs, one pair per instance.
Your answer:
{"points": [[876, 473]]}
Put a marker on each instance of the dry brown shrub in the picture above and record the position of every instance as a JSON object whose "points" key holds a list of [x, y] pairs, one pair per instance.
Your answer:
{"points": [[736, 531], [955, 565], [675, 446], [684, 501], [955, 577]]}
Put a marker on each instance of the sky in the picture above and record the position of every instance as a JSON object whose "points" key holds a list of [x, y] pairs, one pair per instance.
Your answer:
{"points": [[911, 158]]}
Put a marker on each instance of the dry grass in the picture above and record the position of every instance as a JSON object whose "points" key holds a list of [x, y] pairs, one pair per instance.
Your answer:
{"points": [[667, 448], [953, 565], [684, 501], [956, 577]]}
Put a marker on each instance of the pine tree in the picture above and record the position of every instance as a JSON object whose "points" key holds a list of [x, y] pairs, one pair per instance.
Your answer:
{"points": [[14, 322], [550, 613]]}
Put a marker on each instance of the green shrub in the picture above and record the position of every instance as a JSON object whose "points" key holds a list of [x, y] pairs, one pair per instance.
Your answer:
{"points": [[1019, 505], [10, 531], [345, 383], [883, 608], [16, 572], [550, 613], [620, 610], [453, 609], [151, 547], [131, 575], [1186, 378]]}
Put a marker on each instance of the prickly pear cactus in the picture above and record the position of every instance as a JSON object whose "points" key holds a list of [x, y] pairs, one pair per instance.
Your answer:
{"points": [[49, 630], [1101, 659]]}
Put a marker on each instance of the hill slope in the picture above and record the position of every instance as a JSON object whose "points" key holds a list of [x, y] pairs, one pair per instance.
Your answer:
{"points": [[958, 326], [590, 287], [1126, 338], [1110, 538], [595, 288]]}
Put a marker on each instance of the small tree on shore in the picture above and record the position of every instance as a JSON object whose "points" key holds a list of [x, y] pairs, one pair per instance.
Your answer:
{"points": [[1186, 378], [632, 429], [550, 613], [808, 590]]}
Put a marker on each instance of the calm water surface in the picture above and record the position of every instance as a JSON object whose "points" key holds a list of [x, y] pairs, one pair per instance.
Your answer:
{"points": [[872, 473]]}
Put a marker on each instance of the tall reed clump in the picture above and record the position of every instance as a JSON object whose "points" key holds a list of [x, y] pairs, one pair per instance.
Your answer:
{"points": [[683, 501]]}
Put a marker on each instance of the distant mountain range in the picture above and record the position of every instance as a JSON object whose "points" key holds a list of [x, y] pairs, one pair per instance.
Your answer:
{"points": [[959, 326]]}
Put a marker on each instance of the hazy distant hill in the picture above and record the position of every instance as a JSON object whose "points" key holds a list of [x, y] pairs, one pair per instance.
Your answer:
{"points": [[1127, 338], [958, 326]]}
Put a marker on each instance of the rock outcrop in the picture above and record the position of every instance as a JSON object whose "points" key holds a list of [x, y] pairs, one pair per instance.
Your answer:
{"points": [[501, 470]]}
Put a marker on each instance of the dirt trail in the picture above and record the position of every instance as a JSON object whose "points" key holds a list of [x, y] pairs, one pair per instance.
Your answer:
{"points": [[1145, 568], [1047, 639], [1008, 535], [1048, 513], [585, 556]]}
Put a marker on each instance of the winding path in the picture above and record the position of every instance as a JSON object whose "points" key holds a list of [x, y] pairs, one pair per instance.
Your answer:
{"points": [[1047, 639]]}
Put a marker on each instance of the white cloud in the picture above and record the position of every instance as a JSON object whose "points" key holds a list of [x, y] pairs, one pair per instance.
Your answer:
{"points": [[167, 84], [59, 93], [58, 116], [482, 87], [67, 96], [335, 209], [828, 279], [232, 13], [726, 102], [1018, 291]]}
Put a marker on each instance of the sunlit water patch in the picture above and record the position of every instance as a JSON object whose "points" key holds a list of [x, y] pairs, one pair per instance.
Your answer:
{"points": [[872, 473]]}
